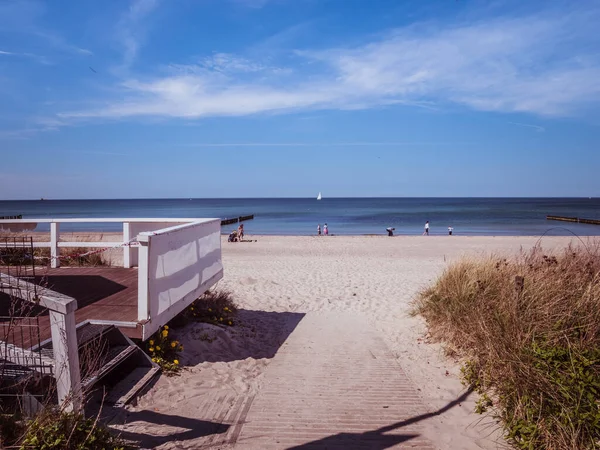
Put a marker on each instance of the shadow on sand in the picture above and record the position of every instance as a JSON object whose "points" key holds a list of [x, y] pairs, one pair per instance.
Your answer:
{"points": [[194, 428], [258, 334]]}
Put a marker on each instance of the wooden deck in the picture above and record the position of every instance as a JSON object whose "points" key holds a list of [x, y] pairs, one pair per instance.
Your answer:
{"points": [[102, 293]]}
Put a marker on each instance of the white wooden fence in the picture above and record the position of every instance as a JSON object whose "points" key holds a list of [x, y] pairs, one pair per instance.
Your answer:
{"points": [[178, 260]]}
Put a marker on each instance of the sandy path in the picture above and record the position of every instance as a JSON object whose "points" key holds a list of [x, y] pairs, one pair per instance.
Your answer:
{"points": [[275, 277]]}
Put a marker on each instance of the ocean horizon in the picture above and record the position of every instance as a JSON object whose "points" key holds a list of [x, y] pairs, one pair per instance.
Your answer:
{"points": [[510, 216]]}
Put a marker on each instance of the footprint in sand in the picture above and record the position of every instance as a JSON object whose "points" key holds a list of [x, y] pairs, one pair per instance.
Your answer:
{"points": [[248, 281]]}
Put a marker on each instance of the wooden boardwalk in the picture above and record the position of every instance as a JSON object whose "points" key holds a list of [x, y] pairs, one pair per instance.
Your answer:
{"points": [[102, 293], [333, 385]]}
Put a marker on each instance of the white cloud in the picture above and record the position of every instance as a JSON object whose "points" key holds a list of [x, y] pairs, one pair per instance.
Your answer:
{"points": [[544, 64], [23, 17], [325, 144], [537, 128], [255, 4], [40, 59], [129, 30]]}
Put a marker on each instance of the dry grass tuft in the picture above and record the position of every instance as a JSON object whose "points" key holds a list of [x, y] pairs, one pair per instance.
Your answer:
{"points": [[529, 329]]}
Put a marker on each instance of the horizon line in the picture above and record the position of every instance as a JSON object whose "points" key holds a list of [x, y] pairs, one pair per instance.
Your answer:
{"points": [[294, 198]]}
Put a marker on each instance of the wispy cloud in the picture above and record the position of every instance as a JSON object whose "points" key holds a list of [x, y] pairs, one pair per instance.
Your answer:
{"points": [[544, 64], [130, 30], [24, 17], [93, 152], [39, 58], [24, 133], [325, 144], [537, 128], [255, 4]]}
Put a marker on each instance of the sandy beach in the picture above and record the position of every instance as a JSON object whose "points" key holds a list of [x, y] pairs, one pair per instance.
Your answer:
{"points": [[275, 278]]}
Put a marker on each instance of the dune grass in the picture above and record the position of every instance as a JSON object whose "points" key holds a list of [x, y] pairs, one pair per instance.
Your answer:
{"points": [[528, 329]]}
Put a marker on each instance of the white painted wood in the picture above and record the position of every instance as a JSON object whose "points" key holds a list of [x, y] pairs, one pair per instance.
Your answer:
{"points": [[127, 251], [108, 220], [54, 238], [31, 292], [66, 358], [86, 244], [143, 299], [116, 323], [183, 262]]}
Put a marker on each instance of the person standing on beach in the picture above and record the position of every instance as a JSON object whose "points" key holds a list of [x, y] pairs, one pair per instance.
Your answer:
{"points": [[426, 232], [319, 230], [325, 230], [450, 230]]}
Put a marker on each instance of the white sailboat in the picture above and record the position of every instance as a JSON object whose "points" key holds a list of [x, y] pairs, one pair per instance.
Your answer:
{"points": [[319, 196]]}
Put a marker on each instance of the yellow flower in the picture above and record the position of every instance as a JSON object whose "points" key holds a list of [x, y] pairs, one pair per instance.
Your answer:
{"points": [[181, 348], [221, 319], [226, 309], [151, 342], [175, 361], [165, 333], [158, 347], [230, 322], [151, 349], [153, 359], [166, 327], [173, 344], [192, 308], [209, 310]]}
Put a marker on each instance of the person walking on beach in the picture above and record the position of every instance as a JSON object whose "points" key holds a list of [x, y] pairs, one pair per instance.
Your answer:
{"points": [[319, 230], [450, 230], [325, 230], [241, 231], [426, 232]]}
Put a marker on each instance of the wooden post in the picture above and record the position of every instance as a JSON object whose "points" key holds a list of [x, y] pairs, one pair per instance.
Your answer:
{"points": [[143, 278], [66, 360], [127, 249], [54, 238]]}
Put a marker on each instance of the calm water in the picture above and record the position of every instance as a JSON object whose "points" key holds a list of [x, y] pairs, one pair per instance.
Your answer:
{"points": [[468, 216]]}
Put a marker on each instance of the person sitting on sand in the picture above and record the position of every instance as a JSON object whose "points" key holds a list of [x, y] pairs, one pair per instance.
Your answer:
{"points": [[240, 231], [233, 236]]}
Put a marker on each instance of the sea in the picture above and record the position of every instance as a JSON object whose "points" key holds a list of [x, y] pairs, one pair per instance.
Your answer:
{"points": [[344, 216]]}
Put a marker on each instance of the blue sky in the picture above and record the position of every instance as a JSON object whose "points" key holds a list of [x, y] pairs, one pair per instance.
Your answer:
{"points": [[275, 98]]}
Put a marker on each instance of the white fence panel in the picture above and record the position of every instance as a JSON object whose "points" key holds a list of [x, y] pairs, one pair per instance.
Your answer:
{"points": [[183, 262]]}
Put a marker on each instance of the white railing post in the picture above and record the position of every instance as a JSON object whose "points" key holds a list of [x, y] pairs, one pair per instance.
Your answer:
{"points": [[54, 238], [66, 360], [127, 249], [143, 278]]}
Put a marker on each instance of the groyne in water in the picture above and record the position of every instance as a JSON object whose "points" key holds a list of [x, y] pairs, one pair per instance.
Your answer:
{"points": [[574, 219], [236, 219]]}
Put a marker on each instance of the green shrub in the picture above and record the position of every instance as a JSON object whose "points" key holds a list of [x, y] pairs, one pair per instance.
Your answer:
{"points": [[216, 307], [69, 431], [164, 351], [529, 330]]}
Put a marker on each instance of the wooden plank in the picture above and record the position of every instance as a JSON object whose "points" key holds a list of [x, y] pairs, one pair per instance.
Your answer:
{"points": [[102, 293]]}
